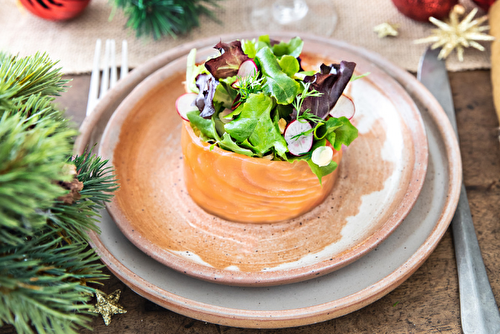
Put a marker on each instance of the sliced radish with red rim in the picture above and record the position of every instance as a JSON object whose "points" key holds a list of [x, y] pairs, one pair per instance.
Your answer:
{"points": [[343, 108], [185, 104], [247, 68], [299, 144]]}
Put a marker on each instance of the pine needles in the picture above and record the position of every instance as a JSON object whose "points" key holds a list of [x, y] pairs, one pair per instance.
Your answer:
{"points": [[45, 260], [160, 18]]}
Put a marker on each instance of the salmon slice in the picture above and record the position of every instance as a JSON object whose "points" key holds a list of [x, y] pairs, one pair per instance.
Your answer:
{"points": [[250, 190]]}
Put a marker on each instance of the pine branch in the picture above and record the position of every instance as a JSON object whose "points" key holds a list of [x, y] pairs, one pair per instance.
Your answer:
{"points": [[98, 180], [99, 183], [42, 283], [45, 260], [32, 156], [36, 141], [52, 268], [23, 77], [165, 17]]}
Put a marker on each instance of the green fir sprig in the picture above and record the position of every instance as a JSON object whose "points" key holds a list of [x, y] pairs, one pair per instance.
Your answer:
{"points": [[46, 263], [160, 18]]}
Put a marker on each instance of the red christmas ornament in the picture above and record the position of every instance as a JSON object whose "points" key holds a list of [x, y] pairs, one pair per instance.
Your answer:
{"points": [[55, 10], [484, 4], [421, 10]]}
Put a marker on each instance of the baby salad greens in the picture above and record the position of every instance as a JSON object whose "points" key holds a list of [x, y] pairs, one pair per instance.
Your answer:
{"points": [[255, 99]]}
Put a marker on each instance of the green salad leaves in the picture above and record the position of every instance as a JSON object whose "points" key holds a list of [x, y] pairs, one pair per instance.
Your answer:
{"points": [[255, 99]]}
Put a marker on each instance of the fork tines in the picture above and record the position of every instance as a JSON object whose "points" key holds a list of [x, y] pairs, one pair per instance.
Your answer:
{"points": [[109, 76]]}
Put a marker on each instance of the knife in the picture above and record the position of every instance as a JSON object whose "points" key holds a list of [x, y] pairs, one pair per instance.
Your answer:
{"points": [[478, 308]]}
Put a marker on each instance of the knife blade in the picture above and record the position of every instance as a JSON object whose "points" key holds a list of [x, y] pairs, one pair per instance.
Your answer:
{"points": [[478, 308]]}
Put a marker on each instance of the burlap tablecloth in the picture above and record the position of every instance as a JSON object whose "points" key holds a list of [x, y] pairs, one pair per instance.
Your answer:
{"points": [[72, 42]]}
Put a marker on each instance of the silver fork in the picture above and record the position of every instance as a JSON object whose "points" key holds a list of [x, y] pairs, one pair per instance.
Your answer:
{"points": [[109, 76]]}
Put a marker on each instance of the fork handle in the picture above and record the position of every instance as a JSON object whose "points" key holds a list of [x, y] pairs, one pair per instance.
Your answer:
{"points": [[478, 308]]}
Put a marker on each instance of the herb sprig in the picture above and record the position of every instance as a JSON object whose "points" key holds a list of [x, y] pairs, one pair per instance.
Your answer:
{"points": [[299, 99], [249, 85]]}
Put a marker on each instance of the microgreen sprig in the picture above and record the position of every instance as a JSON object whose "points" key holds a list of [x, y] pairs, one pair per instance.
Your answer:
{"points": [[304, 133], [307, 115], [356, 77], [249, 85], [299, 99]]}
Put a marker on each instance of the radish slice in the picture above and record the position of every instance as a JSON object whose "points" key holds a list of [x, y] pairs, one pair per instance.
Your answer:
{"points": [[343, 107], [247, 68], [302, 144], [185, 104], [322, 156]]}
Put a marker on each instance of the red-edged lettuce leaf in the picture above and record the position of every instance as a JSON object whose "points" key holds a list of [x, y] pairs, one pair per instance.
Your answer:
{"points": [[228, 63], [205, 100], [331, 82]]}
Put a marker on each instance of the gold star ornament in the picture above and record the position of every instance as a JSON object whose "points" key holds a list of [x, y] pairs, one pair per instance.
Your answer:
{"points": [[386, 29], [108, 305], [455, 34]]}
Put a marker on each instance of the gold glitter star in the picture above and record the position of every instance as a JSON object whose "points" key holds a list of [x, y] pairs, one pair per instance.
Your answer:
{"points": [[108, 305], [386, 29], [457, 35]]}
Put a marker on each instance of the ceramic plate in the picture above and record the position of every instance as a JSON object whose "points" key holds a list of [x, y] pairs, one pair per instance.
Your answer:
{"points": [[343, 291], [380, 177]]}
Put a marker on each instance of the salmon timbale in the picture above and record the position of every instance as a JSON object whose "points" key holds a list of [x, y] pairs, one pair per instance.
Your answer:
{"points": [[250, 190]]}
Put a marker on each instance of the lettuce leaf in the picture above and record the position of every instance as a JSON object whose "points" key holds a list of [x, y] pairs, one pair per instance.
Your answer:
{"points": [[190, 72], [340, 131], [292, 48], [228, 63], [249, 47], [278, 84], [228, 144], [289, 65], [322, 171], [317, 170], [248, 113], [254, 124], [267, 136], [206, 126], [222, 96], [331, 82], [279, 48]]}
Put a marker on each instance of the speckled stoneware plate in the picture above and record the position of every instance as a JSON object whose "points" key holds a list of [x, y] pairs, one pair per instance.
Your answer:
{"points": [[380, 177], [318, 299]]}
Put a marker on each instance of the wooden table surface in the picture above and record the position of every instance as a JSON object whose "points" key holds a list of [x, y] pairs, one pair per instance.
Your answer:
{"points": [[428, 302]]}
